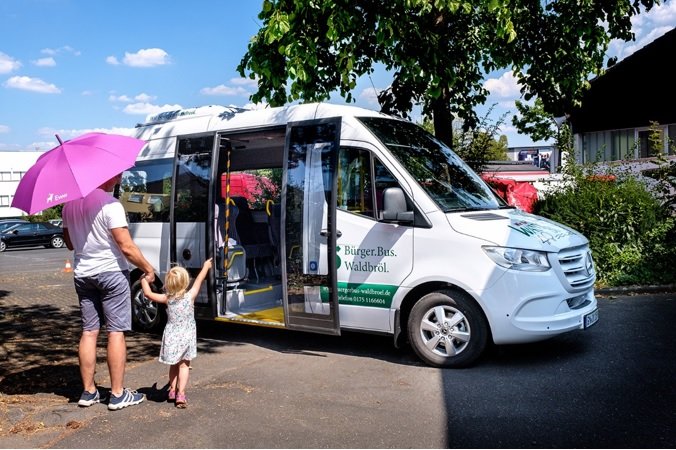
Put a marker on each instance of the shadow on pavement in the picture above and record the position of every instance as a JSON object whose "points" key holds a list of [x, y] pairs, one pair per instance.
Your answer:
{"points": [[39, 348]]}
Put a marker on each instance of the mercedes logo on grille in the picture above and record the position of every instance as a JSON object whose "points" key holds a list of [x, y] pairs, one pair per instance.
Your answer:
{"points": [[589, 264]]}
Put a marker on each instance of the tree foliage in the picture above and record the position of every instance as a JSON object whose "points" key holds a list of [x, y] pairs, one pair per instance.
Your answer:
{"points": [[438, 50]]}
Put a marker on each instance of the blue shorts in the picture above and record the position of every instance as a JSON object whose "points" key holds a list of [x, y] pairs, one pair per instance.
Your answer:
{"points": [[105, 299]]}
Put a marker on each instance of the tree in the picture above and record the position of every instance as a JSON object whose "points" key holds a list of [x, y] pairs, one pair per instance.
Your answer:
{"points": [[439, 50], [477, 146]]}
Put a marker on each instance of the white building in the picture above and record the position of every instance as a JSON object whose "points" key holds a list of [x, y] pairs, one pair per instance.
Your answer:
{"points": [[13, 166]]}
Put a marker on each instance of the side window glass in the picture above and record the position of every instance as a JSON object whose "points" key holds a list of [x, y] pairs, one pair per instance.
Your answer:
{"points": [[193, 170], [145, 191], [355, 190]]}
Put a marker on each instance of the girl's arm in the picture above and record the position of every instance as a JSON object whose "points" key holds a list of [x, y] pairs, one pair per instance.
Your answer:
{"points": [[200, 278], [154, 296]]}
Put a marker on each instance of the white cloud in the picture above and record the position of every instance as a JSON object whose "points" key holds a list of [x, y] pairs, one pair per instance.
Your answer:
{"points": [[8, 64], [370, 96], [112, 61], [623, 49], [140, 98], [143, 97], [237, 87], [254, 106], [120, 98], [222, 89], [149, 57], [4, 129], [647, 27], [4, 147], [71, 133], [60, 50], [504, 87], [148, 108], [248, 82], [45, 62], [31, 84]]}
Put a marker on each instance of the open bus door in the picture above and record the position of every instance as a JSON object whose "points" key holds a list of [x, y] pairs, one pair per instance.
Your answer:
{"points": [[309, 224]]}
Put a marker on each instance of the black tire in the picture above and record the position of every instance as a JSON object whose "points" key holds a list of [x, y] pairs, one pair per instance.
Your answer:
{"points": [[56, 242], [447, 329], [146, 316]]}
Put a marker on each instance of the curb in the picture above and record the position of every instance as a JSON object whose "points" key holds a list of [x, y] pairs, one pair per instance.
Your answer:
{"points": [[650, 289]]}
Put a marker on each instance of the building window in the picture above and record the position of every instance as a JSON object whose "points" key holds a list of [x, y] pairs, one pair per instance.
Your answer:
{"points": [[648, 148], [671, 144], [4, 200], [623, 145], [595, 147]]}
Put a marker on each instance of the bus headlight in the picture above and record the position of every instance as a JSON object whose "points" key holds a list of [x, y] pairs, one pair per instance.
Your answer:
{"points": [[518, 258]]}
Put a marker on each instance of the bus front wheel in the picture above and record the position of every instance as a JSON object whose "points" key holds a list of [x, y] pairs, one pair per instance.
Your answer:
{"points": [[146, 316], [447, 329]]}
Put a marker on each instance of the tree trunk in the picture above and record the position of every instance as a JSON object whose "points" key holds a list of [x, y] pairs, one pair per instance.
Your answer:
{"points": [[443, 121]]}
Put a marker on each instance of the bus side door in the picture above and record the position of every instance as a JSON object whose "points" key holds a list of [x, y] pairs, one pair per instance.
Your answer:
{"points": [[191, 205], [309, 225]]}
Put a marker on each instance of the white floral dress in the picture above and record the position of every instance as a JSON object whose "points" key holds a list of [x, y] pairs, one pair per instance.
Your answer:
{"points": [[179, 340]]}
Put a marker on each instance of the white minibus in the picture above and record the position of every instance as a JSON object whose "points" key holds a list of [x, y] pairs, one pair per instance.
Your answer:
{"points": [[325, 218]]}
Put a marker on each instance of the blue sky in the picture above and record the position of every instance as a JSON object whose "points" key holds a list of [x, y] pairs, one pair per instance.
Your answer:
{"points": [[72, 66]]}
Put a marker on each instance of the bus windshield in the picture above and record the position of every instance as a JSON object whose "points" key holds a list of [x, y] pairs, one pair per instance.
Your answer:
{"points": [[442, 174]]}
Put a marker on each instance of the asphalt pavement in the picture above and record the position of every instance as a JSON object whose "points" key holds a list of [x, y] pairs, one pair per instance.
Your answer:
{"points": [[607, 387]]}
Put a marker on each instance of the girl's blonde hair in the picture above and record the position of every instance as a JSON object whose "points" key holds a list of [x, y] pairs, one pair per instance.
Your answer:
{"points": [[176, 282]]}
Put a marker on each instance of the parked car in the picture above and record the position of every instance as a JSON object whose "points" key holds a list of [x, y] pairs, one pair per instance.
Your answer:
{"points": [[30, 235], [6, 223]]}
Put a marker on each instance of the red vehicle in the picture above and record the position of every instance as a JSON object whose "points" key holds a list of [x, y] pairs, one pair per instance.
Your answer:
{"points": [[247, 185]]}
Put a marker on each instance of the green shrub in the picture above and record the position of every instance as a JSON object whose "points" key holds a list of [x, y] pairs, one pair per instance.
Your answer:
{"points": [[631, 233]]}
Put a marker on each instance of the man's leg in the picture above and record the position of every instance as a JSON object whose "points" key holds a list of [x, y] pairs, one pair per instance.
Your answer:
{"points": [[87, 357], [117, 358], [91, 314], [117, 310]]}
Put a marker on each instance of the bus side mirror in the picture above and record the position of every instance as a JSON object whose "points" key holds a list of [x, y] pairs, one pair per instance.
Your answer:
{"points": [[394, 206]]}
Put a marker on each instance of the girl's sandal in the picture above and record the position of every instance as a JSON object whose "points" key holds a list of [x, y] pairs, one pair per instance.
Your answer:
{"points": [[181, 401], [171, 396]]}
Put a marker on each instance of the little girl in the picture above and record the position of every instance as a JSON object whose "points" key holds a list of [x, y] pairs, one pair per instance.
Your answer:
{"points": [[179, 341]]}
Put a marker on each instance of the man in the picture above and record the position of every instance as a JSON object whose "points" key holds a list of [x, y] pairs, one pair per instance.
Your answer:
{"points": [[96, 228]]}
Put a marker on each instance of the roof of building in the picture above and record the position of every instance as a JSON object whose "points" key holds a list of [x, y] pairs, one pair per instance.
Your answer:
{"points": [[632, 93]]}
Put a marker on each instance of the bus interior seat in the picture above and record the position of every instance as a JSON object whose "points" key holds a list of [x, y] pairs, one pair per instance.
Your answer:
{"points": [[254, 237]]}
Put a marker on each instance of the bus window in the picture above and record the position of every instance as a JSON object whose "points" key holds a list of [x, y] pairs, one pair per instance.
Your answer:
{"points": [[145, 191], [192, 179], [354, 181]]}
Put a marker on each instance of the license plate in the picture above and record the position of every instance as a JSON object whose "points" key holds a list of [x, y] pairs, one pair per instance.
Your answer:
{"points": [[591, 318]]}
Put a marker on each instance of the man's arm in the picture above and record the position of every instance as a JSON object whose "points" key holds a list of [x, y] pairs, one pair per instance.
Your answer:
{"points": [[132, 252], [66, 239]]}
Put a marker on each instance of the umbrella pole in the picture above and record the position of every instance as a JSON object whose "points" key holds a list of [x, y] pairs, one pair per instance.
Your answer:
{"points": [[59, 139]]}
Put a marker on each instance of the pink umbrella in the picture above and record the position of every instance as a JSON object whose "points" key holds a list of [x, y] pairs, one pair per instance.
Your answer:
{"points": [[75, 168]]}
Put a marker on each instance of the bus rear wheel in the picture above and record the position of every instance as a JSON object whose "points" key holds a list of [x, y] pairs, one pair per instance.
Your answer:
{"points": [[146, 316], [447, 329]]}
